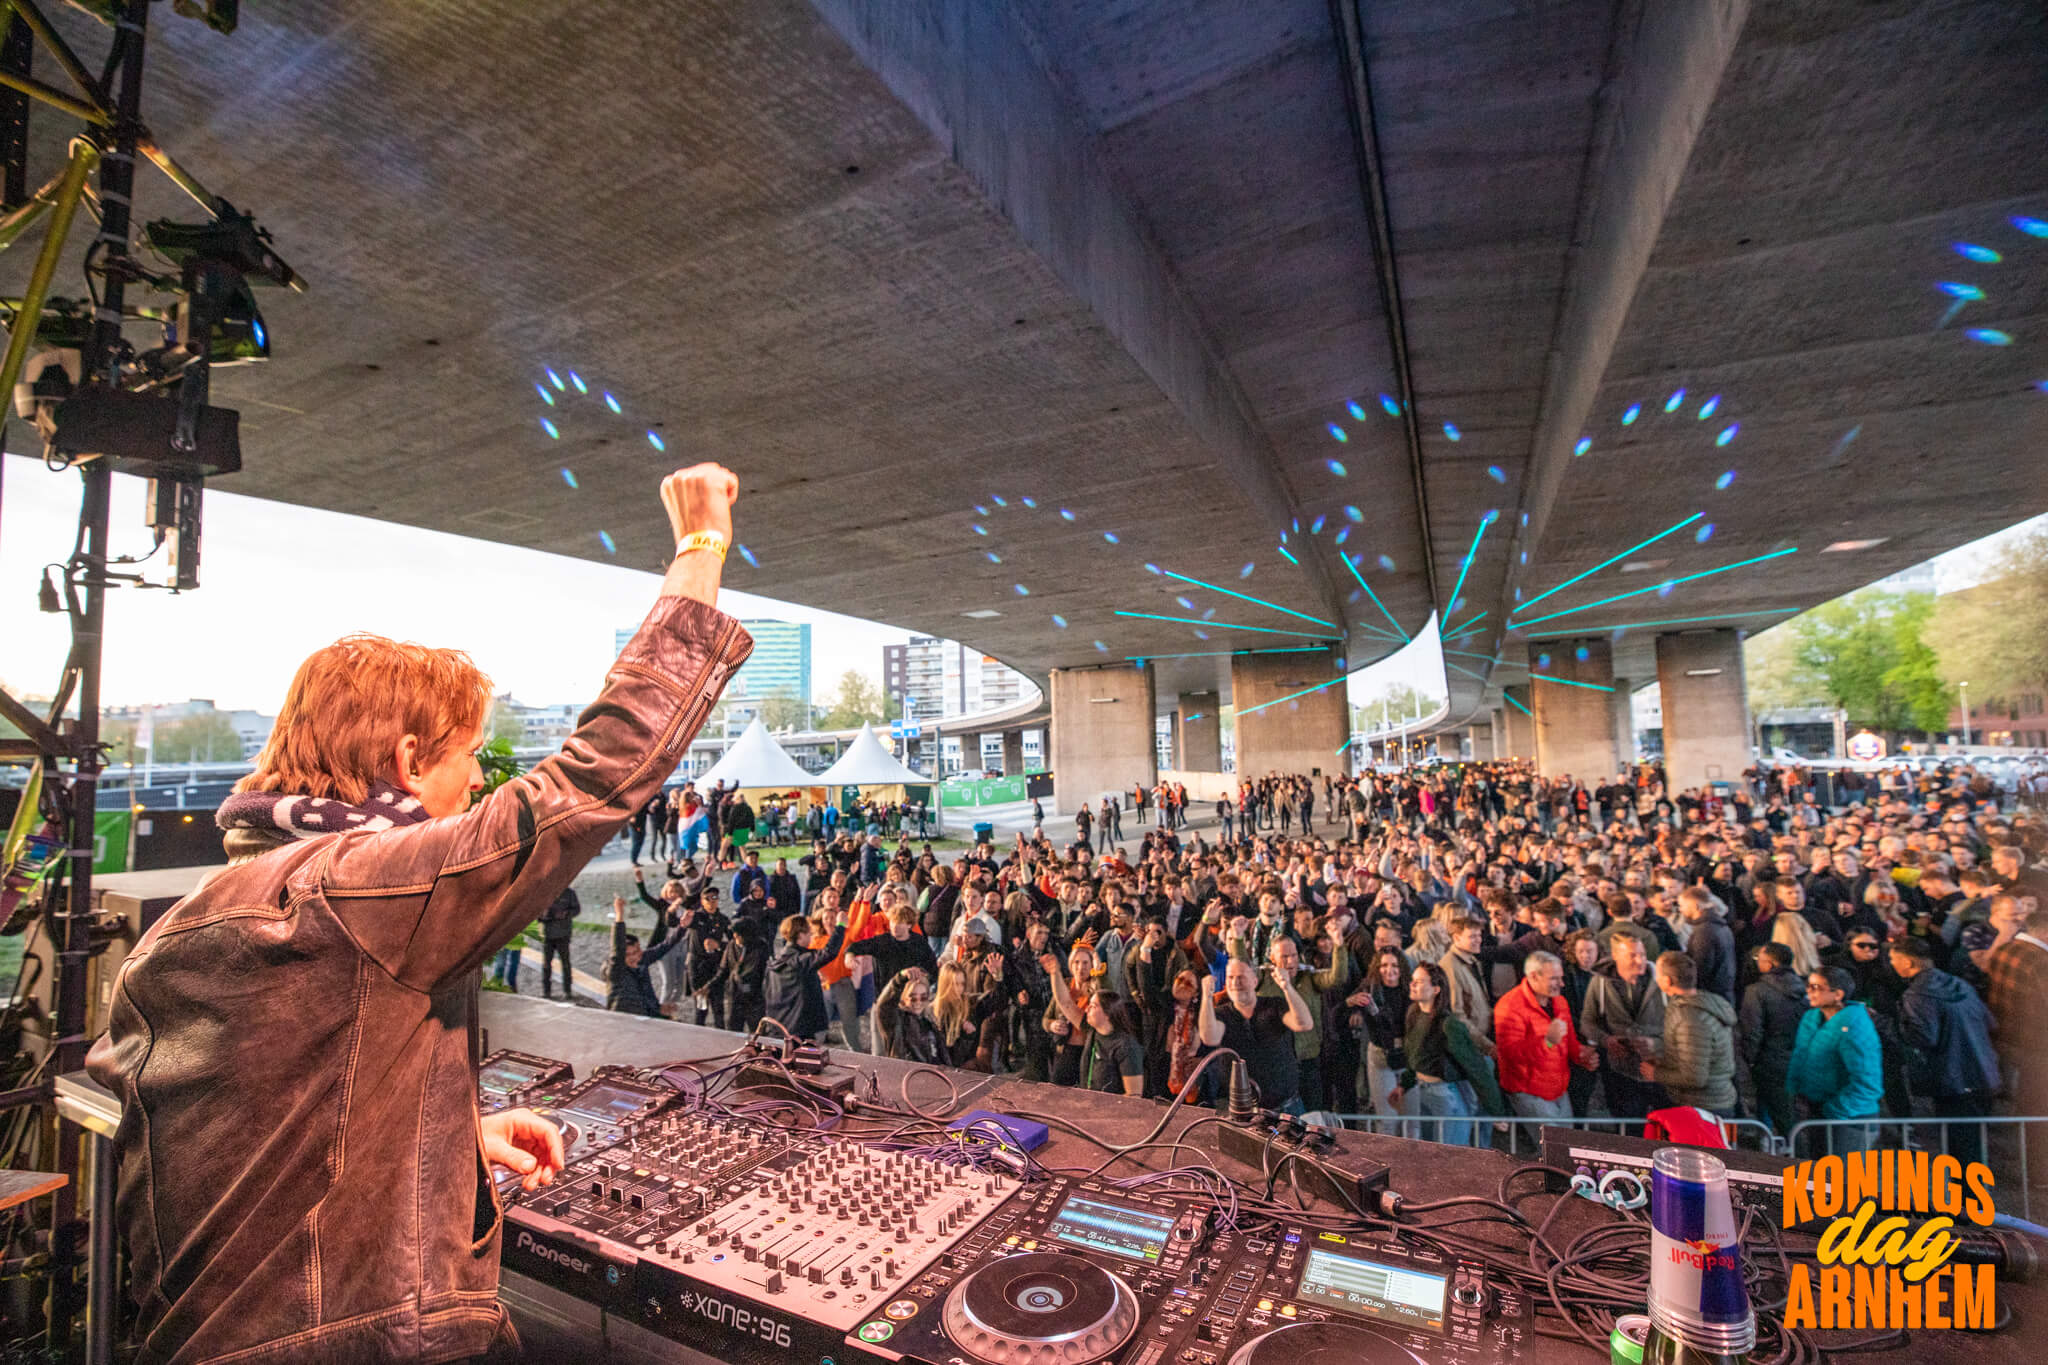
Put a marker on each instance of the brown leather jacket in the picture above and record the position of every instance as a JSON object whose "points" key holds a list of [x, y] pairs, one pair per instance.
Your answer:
{"points": [[295, 1046]]}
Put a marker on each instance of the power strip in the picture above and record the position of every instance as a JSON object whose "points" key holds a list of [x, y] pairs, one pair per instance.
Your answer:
{"points": [[1349, 1185]]}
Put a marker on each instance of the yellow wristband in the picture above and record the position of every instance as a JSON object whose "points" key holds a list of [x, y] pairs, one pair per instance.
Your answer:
{"points": [[702, 540]]}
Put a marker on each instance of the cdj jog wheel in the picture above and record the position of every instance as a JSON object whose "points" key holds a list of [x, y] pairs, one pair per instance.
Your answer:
{"points": [[1324, 1343], [1042, 1307]]}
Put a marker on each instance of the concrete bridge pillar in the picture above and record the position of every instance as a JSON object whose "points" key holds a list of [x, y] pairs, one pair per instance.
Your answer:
{"points": [[1282, 725], [1706, 707], [1198, 732], [1517, 732], [1571, 683], [1103, 736], [1013, 753]]}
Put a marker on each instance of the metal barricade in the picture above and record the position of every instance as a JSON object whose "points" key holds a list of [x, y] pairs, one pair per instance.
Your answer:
{"points": [[1430, 1128], [1999, 1140]]}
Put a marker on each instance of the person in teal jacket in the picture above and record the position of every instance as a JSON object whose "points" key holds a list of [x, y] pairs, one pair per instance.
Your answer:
{"points": [[1837, 1062]]}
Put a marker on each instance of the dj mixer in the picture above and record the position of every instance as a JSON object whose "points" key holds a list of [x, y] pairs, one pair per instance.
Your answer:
{"points": [[758, 1243]]}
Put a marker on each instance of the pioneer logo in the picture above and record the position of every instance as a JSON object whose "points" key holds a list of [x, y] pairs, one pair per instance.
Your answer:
{"points": [[552, 1254]]}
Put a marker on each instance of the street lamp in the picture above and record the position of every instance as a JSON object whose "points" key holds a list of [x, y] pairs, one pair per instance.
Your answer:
{"points": [[1964, 688]]}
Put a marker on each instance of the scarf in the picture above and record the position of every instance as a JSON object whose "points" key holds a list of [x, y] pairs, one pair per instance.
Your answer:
{"points": [[309, 817]]}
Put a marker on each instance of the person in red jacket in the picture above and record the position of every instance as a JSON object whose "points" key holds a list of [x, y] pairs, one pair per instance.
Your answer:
{"points": [[1537, 1042]]}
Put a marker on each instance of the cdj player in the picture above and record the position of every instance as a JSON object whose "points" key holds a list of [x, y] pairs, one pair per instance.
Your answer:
{"points": [[1072, 1273], [508, 1079]]}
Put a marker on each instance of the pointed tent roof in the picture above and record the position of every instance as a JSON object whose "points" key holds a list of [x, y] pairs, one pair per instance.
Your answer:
{"points": [[756, 760], [867, 764]]}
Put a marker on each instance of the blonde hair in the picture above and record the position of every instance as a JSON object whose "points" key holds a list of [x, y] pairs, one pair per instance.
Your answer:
{"points": [[949, 1001], [1795, 933]]}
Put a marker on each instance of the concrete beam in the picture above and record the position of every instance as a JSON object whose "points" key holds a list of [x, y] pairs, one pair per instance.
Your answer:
{"points": [[1706, 707], [1300, 735], [974, 75], [1572, 702], [1666, 70], [1103, 735], [1198, 732]]}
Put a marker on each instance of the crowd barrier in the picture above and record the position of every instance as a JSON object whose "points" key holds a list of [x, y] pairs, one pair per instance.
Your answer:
{"points": [[1752, 1133], [2000, 1141]]}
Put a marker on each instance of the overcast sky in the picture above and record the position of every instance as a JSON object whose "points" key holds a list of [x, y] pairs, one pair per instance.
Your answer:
{"points": [[278, 582]]}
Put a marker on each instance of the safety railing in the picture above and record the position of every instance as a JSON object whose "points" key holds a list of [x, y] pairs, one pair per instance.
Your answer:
{"points": [[1998, 1140], [1479, 1129]]}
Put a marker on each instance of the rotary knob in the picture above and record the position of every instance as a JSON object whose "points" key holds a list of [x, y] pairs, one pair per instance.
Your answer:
{"points": [[1040, 1308]]}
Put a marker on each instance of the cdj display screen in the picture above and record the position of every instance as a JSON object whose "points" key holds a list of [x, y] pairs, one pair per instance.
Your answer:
{"points": [[606, 1104], [1390, 1293], [1120, 1230], [505, 1075]]}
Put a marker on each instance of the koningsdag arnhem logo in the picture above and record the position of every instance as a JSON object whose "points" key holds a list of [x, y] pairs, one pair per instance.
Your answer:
{"points": [[1885, 1256]]}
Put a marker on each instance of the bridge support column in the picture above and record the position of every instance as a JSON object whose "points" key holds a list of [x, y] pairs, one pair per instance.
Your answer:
{"points": [[1198, 733], [1621, 711], [1706, 707], [1481, 733], [1571, 682], [1516, 737], [1299, 735], [1013, 753], [1103, 735]]}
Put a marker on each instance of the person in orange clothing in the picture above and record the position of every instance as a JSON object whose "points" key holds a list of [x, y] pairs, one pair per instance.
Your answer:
{"points": [[1536, 1043], [836, 976]]}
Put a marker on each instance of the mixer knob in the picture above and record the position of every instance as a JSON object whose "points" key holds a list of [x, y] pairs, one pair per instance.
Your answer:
{"points": [[889, 1266], [846, 1275], [774, 1284], [911, 1222], [815, 1275], [874, 1279], [751, 1252]]}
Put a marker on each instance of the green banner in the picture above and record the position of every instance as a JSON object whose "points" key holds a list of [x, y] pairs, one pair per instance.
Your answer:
{"points": [[985, 791], [110, 840]]}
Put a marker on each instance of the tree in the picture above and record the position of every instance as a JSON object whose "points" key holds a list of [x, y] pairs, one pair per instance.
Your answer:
{"points": [[505, 723], [1398, 702], [1774, 674], [1868, 656], [782, 709], [202, 737], [858, 701], [1995, 636]]}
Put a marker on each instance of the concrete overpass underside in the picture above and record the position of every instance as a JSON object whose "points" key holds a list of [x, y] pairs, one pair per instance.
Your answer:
{"points": [[1037, 324]]}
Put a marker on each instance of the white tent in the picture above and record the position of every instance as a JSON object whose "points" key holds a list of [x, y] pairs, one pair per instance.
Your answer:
{"points": [[755, 761], [867, 764]]}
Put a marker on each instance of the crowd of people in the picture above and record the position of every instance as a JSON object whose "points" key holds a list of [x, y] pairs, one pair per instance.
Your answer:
{"points": [[1457, 943]]}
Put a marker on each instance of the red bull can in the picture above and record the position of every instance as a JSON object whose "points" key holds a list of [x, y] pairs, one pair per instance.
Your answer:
{"points": [[1697, 1297]]}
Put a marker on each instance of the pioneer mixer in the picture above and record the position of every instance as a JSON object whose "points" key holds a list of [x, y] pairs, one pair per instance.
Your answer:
{"points": [[508, 1079]]}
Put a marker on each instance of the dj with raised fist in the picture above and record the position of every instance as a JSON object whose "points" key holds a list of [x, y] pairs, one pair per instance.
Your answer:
{"points": [[304, 1175]]}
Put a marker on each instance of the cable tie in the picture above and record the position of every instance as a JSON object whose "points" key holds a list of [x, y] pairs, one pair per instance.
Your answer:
{"points": [[116, 197]]}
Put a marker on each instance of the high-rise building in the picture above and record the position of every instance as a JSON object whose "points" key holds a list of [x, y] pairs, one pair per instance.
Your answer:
{"points": [[932, 678], [781, 663]]}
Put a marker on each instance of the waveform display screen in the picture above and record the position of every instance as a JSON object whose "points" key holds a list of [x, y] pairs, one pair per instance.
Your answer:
{"points": [[1133, 1233], [1391, 1293]]}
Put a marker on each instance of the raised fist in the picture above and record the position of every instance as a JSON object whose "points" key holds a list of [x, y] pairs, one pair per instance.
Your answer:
{"points": [[700, 498]]}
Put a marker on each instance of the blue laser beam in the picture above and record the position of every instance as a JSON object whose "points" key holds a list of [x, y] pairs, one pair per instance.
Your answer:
{"points": [[1669, 530], [1284, 554], [1569, 682], [1230, 654], [1665, 586], [1510, 700], [1248, 710], [1465, 629], [1349, 564], [1247, 597], [1466, 567], [1221, 625], [1564, 634]]}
